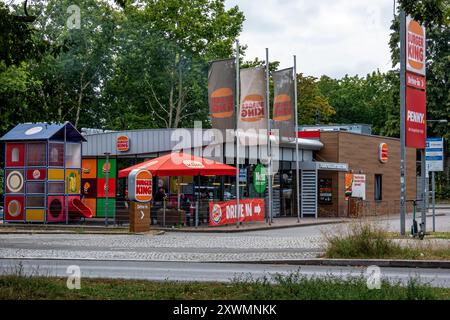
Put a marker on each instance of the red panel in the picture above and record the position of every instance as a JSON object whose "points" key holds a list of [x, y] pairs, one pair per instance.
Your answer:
{"points": [[55, 208], [415, 114], [14, 208], [416, 81], [101, 187], [36, 174], [15, 154], [309, 134]]}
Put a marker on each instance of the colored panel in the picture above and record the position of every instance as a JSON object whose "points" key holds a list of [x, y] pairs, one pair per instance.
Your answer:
{"points": [[36, 187], [101, 207], [36, 154], [73, 181], [89, 168], [35, 214], [35, 201], [36, 174], [55, 187], [91, 203], [15, 154], [14, 181], [14, 208], [101, 168], [73, 155], [101, 186], [89, 188], [56, 174], [55, 208], [56, 154]]}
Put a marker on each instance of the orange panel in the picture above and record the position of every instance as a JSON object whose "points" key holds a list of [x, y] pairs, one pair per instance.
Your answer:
{"points": [[89, 168]]}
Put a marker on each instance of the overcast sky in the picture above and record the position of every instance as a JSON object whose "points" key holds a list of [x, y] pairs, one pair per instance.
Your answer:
{"points": [[332, 37]]}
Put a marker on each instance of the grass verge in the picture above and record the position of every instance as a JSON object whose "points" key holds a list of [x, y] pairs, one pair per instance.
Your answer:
{"points": [[292, 287], [363, 240]]}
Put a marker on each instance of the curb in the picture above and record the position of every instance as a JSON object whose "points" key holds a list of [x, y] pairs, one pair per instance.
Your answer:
{"points": [[384, 263]]}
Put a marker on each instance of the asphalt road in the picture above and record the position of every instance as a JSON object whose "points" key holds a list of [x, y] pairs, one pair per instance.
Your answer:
{"points": [[205, 272]]}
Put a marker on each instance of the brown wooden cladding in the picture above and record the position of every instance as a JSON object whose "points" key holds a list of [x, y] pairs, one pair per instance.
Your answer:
{"points": [[361, 152]]}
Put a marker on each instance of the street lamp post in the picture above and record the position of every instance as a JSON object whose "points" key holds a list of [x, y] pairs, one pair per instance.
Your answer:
{"points": [[106, 186]]}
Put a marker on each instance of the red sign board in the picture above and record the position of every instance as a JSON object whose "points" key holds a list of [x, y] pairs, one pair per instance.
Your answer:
{"points": [[415, 81], [314, 134], [223, 213], [383, 152], [123, 143], [415, 118]]}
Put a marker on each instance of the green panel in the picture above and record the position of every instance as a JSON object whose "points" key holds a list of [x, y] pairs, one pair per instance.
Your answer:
{"points": [[101, 207], [101, 173]]}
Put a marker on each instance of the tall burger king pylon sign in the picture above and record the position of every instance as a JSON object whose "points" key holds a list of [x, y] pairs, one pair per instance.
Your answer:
{"points": [[140, 195]]}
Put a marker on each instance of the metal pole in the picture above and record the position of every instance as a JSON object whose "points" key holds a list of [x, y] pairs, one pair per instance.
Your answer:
{"points": [[433, 194], [424, 189], [297, 173], [402, 121], [269, 151], [66, 196], [106, 187], [237, 131]]}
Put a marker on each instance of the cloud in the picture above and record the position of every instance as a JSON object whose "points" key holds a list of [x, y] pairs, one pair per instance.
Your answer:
{"points": [[332, 37]]}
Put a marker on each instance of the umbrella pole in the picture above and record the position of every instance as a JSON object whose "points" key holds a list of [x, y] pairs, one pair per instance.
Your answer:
{"points": [[196, 201]]}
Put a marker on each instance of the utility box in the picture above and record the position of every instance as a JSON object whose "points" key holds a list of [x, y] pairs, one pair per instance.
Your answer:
{"points": [[139, 213]]}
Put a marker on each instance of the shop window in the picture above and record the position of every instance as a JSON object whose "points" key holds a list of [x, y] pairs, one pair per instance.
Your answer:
{"points": [[36, 154], [73, 155], [378, 187], [56, 154]]}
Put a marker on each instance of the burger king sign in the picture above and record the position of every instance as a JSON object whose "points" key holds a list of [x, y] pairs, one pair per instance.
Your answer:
{"points": [[140, 185], [415, 47]]}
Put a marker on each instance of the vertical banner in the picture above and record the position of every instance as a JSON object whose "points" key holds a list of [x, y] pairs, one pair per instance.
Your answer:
{"points": [[221, 93], [253, 105], [415, 91], [283, 104]]}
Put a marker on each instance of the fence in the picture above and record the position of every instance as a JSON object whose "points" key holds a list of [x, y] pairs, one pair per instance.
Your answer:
{"points": [[363, 208]]}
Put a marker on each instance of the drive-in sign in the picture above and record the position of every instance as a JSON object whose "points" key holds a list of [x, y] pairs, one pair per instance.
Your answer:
{"points": [[140, 185], [223, 213]]}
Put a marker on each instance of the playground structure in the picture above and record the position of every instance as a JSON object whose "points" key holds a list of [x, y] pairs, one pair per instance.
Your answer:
{"points": [[43, 173]]}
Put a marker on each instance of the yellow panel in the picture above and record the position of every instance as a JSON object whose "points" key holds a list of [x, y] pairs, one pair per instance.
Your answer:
{"points": [[35, 214], [56, 174], [73, 181]]}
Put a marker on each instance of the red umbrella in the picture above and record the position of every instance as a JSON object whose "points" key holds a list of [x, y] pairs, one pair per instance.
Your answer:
{"points": [[182, 164]]}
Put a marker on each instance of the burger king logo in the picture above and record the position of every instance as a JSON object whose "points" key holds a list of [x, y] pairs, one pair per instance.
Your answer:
{"points": [[14, 208], [282, 108], [222, 103], [216, 214], [252, 108], [193, 164], [143, 188], [123, 143], [415, 40], [383, 152]]}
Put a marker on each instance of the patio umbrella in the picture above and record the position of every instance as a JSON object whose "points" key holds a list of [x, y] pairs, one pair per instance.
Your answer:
{"points": [[182, 164]]}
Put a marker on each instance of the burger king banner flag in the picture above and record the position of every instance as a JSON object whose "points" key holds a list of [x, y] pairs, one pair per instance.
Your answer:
{"points": [[283, 104], [253, 106], [221, 93], [223, 213]]}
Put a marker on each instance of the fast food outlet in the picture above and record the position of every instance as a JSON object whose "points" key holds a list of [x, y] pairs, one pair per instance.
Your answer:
{"points": [[53, 173]]}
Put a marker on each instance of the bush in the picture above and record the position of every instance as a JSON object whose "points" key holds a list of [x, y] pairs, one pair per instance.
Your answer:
{"points": [[361, 240]]}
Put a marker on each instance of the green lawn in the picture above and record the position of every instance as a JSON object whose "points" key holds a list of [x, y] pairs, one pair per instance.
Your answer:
{"points": [[293, 287]]}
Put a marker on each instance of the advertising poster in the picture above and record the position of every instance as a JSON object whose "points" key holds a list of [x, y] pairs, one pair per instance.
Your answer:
{"points": [[283, 105], [355, 186], [325, 191], [224, 213]]}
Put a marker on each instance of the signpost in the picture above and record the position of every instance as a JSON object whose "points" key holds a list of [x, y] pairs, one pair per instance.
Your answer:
{"points": [[434, 155], [140, 194], [412, 103]]}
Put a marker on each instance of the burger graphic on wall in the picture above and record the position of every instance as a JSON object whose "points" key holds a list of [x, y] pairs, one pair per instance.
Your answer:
{"points": [[252, 108], [282, 108]]}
